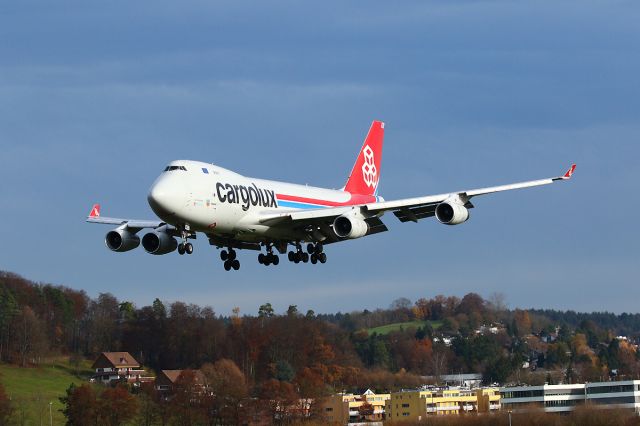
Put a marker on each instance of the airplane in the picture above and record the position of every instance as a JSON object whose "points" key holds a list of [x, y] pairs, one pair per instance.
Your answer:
{"points": [[239, 212]]}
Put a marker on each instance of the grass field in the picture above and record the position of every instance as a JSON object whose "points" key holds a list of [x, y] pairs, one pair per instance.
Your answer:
{"points": [[31, 389], [386, 329]]}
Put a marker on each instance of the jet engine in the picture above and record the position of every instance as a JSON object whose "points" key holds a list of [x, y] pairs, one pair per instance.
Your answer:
{"points": [[451, 213], [159, 242], [350, 226], [121, 239]]}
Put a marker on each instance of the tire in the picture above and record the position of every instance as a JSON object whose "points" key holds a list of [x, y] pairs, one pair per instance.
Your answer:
{"points": [[319, 248], [267, 260], [227, 265], [322, 257], [276, 259], [232, 255], [311, 248], [224, 255], [180, 249], [235, 264], [305, 257], [188, 248], [290, 255], [314, 258], [261, 259]]}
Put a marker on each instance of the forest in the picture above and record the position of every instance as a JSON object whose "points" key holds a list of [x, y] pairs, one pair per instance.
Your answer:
{"points": [[323, 353]]}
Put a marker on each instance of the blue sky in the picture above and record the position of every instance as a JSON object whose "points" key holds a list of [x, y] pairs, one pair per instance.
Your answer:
{"points": [[96, 98]]}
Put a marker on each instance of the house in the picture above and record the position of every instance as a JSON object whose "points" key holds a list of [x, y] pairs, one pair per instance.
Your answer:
{"points": [[166, 379], [117, 367]]}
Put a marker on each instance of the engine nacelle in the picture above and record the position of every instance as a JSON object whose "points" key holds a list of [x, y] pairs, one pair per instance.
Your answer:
{"points": [[159, 242], [451, 213], [350, 226], [121, 240]]}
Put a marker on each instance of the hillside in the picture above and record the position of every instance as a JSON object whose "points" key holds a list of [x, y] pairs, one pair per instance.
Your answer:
{"points": [[31, 389], [403, 326]]}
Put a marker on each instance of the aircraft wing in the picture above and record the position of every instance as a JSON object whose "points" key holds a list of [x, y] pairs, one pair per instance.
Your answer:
{"points": [[408, 209], [94, 217], [413, 209]]}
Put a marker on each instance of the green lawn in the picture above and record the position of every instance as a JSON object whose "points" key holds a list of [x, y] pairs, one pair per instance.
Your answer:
{"points": [[31, 389], [386, 329]]}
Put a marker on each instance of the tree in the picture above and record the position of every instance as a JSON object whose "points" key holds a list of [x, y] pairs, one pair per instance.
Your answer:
{"points": [[31, 341], [116, 406], [365, 410], [292, 311], [159, 310], [310, 314], [280, 399], [265, 310], [284, 371], [80, 405], [229, 387]]}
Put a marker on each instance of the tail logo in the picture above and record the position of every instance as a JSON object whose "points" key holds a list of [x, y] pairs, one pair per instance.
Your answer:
{"points": [[369, 170]]}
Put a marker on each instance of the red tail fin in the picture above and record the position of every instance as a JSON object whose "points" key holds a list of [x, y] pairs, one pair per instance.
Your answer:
{"points": [[95, 211], [365, 175]]}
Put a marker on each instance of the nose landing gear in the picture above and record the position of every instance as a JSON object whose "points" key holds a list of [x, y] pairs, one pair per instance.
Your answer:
{"points": [[184, 246]]}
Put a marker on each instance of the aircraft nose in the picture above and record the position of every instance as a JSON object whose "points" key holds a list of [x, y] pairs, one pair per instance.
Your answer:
{"points": [[162, 197]]}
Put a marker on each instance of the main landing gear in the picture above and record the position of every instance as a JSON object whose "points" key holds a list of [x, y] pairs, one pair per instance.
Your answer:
{"points": [[229, 258], [314, 253], [270, 258]]}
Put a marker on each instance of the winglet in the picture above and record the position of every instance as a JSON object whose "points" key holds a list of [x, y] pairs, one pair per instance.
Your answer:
{"points": [[95, 211], [569, 172]]}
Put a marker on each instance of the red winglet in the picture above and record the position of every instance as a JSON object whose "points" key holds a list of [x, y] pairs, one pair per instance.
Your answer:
{"points": [[569, 172], [95, 211]]}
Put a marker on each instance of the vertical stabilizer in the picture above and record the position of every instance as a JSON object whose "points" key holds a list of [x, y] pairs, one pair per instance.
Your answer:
{"points": [[365, 174]]}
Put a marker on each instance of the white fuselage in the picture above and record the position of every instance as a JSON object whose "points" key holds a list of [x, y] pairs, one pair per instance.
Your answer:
{"points": [[206, 198]]}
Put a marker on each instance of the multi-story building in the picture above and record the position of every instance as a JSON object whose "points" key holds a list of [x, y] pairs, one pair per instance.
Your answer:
{"points": [[345, 408], [559, 398], [416, 405], [117, 366]]}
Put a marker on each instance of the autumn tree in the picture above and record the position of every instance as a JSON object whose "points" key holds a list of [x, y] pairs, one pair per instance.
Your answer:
{"points": [[280, 399], [229, 388], [80, 405], [116, 406]]}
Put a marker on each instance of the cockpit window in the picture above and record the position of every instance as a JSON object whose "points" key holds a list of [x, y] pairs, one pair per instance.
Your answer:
{"points": [[171, 168]]}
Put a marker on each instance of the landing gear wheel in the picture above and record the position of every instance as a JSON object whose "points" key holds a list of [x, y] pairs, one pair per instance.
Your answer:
{"points": [[305, 257], [322, 257], [261, 258], [180, 249], [188, 248], [224, 255], [232, 255], [227, 265], [235, 264], [267, 260], [275, 259], [319, 248], [314, 258], [311, 248], [291, 256], [297, 258]]}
